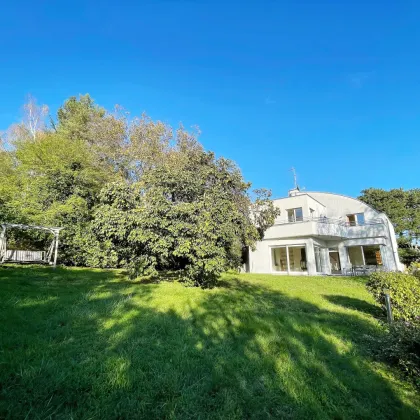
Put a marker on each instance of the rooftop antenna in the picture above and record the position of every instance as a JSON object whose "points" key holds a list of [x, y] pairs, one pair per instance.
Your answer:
{"points": [[295, 178]]}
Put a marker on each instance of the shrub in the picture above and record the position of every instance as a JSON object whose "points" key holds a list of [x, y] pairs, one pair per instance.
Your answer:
{"points": [[401, 347], [414, 269], [404, 290]]}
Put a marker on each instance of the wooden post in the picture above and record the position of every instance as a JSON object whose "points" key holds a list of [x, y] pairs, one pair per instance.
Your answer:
{"points": [[3, 244], [388, 306], [55, 250]]}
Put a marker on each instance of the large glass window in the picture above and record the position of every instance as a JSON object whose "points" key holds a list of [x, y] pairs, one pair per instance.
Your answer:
{"points": [[296, 261], [355, 255], [279, 259], [372, 255], [365, 255], [297, 258], [295, 215]]}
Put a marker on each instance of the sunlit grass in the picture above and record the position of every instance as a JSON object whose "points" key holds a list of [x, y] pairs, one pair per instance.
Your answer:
{"points": [[79, 343]]}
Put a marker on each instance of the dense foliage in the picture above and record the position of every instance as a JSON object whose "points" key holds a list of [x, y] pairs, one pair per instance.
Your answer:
{"points": [[403, 209], [414, 269], [401, 345], [130, 192], [404, 291]]}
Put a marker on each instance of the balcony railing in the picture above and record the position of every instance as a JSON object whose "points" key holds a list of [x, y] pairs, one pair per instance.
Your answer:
{"points": [[327, 227], [328, 220]]}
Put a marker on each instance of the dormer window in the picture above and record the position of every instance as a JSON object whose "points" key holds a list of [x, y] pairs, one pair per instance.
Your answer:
{"points": [[357, 219], [295, 215]]}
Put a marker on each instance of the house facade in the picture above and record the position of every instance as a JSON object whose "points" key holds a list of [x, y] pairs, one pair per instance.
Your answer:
{"points": [[324, 233]]}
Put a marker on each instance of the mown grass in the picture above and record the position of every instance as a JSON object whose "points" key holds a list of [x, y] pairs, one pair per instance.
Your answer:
{"points": [[90, 344]]}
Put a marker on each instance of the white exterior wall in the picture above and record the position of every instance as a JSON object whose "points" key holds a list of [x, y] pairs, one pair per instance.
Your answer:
{"points": [[304, 201], [338, 206], [334, 234]]}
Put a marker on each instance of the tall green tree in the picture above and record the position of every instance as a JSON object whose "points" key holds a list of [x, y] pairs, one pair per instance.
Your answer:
{"points": [[75, 116], [131, 192], [403, 209], [193, 215]]}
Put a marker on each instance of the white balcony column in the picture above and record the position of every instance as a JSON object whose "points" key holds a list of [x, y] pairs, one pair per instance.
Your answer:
{"points": [[325, 261], [344, 258], [388, 258], [363, 254], [250, 260], [310, 257], [288, 259], [384, 256]]}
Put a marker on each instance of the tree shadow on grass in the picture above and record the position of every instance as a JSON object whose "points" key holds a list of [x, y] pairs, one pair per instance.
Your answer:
{"points": [[355, 304], [242, 351]]}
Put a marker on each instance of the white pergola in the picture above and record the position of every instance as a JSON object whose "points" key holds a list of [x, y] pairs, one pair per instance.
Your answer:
{"points": [[49, 257]]}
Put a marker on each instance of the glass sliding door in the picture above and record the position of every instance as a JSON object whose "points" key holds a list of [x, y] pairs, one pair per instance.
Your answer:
{"points": [[335, 262], [297, 258], [279, 259], [289, 259]]}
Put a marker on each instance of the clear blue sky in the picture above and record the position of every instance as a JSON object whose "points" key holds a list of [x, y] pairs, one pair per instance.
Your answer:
{"points": [[330, 87]]}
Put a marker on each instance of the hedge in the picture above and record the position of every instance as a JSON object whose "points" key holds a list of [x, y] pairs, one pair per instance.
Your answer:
{"points": [[401, 346], [404, 291]]}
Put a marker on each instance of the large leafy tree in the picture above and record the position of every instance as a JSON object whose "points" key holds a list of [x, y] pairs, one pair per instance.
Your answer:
{"points": [[130, 192], [191, 214], [403, 209], [51, 176]]}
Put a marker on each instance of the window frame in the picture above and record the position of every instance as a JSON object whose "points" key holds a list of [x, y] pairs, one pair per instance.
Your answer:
{"points": [[294, 218], [379, 260], [359, 219], [286, 247]]}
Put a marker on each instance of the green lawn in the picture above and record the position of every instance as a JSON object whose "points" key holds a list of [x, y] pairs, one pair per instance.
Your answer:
{"points": [[79, 343]]}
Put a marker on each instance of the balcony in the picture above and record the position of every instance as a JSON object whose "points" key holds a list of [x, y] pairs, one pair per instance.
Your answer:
{"points": [[327, 228]]}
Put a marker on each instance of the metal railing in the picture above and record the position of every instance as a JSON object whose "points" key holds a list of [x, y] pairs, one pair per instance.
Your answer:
{"points": [[328, 220]]}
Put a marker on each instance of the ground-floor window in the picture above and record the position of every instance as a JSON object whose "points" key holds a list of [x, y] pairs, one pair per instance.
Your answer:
{"points": [[373, 255], [279, 259], [289, 258], [365, 255]]}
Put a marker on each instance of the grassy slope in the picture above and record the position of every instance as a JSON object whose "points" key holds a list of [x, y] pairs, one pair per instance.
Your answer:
{"points": [[78, 343]]}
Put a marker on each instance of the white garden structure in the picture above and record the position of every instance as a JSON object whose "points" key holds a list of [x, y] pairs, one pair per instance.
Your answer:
{"points": [[48, 256]]}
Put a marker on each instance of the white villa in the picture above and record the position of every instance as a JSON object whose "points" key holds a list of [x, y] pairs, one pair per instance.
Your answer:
{"points": [[324, 233]]}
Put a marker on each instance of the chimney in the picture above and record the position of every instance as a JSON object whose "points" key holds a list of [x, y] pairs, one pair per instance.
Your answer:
{"points": [[294, 192]]}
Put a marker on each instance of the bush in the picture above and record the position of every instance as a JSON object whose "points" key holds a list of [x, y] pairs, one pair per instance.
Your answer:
{"points": [[414, 269], [401, 347], [404, 290]]}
